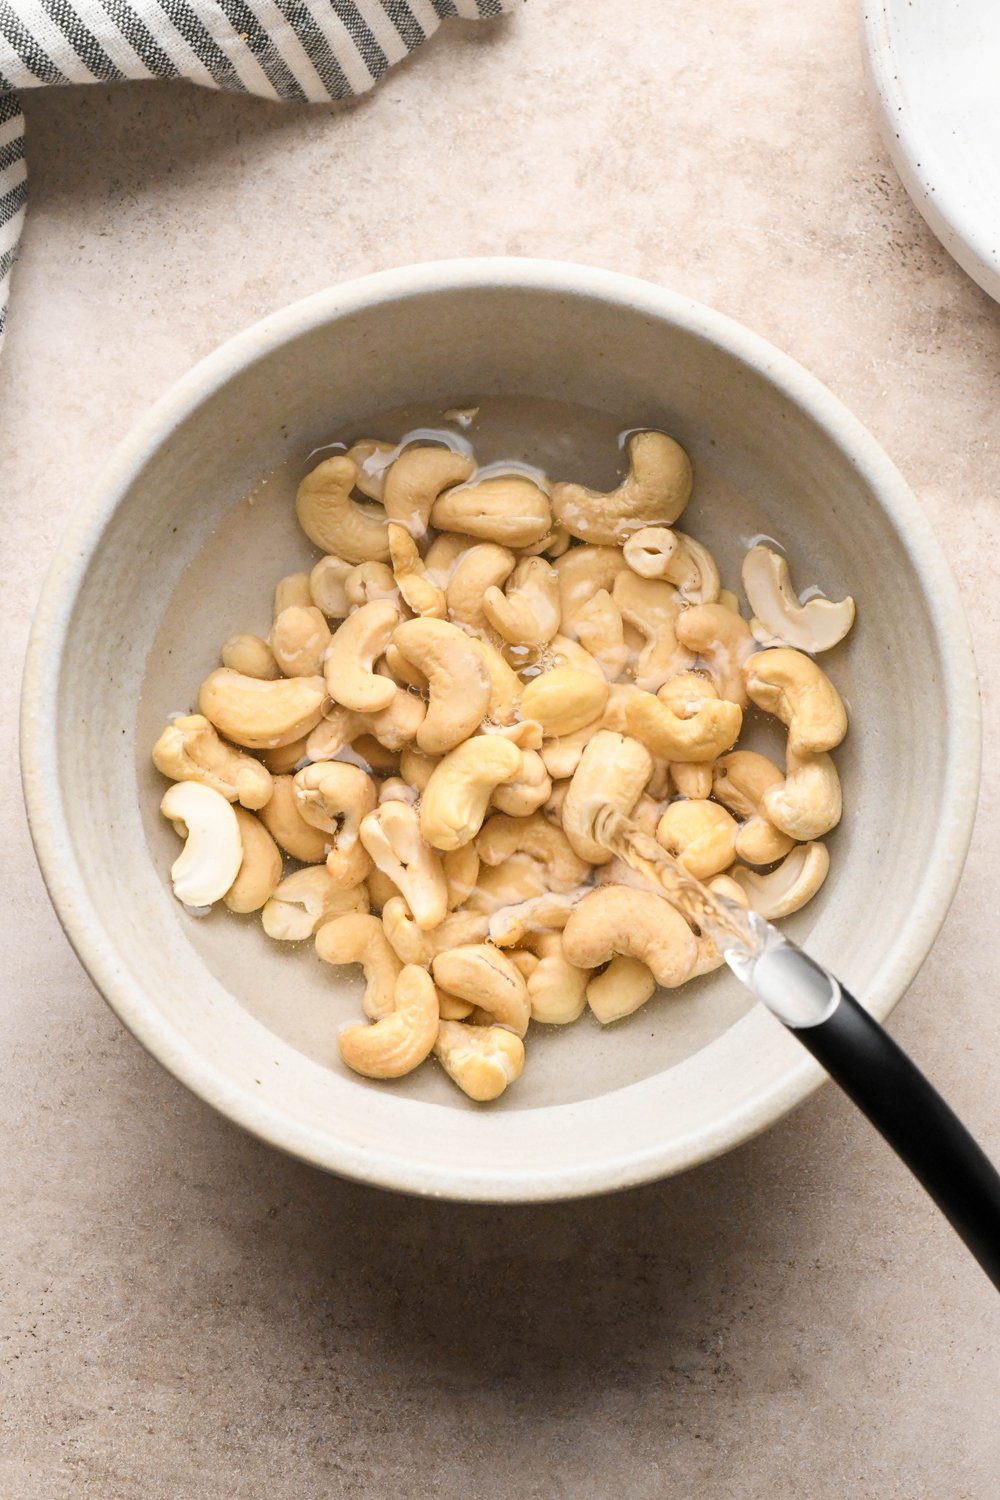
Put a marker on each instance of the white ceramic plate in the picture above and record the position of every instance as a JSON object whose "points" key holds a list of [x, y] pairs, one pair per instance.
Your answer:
{"points": [[934, 68]]}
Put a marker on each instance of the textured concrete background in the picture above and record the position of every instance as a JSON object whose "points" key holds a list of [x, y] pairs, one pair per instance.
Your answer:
{"points": [[186, 1313]]}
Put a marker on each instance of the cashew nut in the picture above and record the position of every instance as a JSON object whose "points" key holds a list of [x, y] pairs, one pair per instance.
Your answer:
{"points": [[414, 480], [658, 552], [334, 797], [807, 803], [517, 882], [258, 713], [307, 899], [210, 860], [350, 659], [190, 750], [335, 522], [613, 771], [526, 613], [557, 989], [481, 973], [422, 596], [286, 825], [549, 847], [562, 756], [461, 871], [444, 553], [506, 508], [328, 587], [691, 778], [529, 789], [654, 609], [399, 1042], [371, 583], [457, 680], [583, 572], [794, 688], [655, 491], [685, 721], [359, 938], [392, 837], [740, 781], [482, 1060], [564, 700], [416, 767], [709, 958], [601, 631], [505, 686], [477, 570], [409, 943], [460, 787], [722, 639], [250, 655], [790, 886], [779, 618], [702, 836], [372, 457], [635, 923], [393, 727], [565, 652], [624, 986], [260, 868], [403, 672], [292, 590], [285, 758], [299, 638]]}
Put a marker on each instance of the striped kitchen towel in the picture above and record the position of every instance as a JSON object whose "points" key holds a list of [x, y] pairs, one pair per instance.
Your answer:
{"points": [[306, 50]]}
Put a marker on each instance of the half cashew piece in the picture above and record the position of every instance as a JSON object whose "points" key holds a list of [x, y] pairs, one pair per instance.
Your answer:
{"points": [[259, 714], [482, 1060], [779, 618], [635, 923], [359, 938], [213, 852], [350, 659], [655, 491], [654, 609], [260, 867], [398, 1042], [479, 972], [537, 839], [457, 679], [478, 570], [564, 700], [391, 835], [792, 687], [790, 886], [305, 900], [658, 552], [458, 793], [418, 592], [526, 613], [190, 750], [335, 522]]}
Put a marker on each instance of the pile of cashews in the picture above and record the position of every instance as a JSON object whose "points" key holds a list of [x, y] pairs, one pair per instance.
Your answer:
{"points": [[475, 667]]}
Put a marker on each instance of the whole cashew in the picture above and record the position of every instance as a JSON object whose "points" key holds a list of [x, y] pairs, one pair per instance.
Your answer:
{"points": [[392, 837], [613, 771], [601, 631], [709, 958], [359, 938], [393, 727], [482, 1060], [399, 1042], [583, 572], [250, 655], [692, 779], [518, 881], [328, 587], [372, 457], [635, 923], [562, 756], [740, 782], [807, 803], [520, 923], [779, 618], [685, 721], [658, 552], [299, 638], [444, 553], [655, 491], [350, 659], [260, 868], [791, 686], [702, 836], [307, 899], [210, 860], [624, 986], [529, 789], [335, 797], [291, 590], [564, 700], [414, 480], [260, 714], [403, 672], [481, 973], [409, 943], [190, 750], [457, 680], [371, 583], [476, 571], [565, 652], [790, 886], [422, 596], [654, 610], [507, 508], [557, 989], [460, 787], [416, 767], [335, 522], [286, 825], [527, 612], [560, 868], [722, 639]]}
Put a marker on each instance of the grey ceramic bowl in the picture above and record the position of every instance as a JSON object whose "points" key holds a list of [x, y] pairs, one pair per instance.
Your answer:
{"points": [[163, 563]]}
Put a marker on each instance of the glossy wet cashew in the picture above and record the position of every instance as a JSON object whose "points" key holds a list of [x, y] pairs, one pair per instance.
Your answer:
{"points": [[416, 767], [507, 508], [250, 655], [307, 899], [335, 522], [779, 618], [479, 972], [292, 590], [722, 639], [289, 829], [635, 923], [334, 797], [654, 609], [393, 727], [458, 793], [658, 552], [560, 868], [414, 480], [392, 838], [409, 943], [359, 938], [613, 771], [601, 631], [371, 583], [328, 587], [482, 1060], [210, 860], [481, 568], [444, 553], [526, 613], [792, 687], [655, 491], [457, 679], [790, 886], [691, 778], [702, 836], [399, 1042], [350, 660], [739, 782], [583, 572], [372, 457], [685, 721], [461, 871], [807, 803], [261, 714], [422, 596], [557, 989], [624, 986], [564, 700], [260, 868], [548, 912], [298, 640], [528, 791], [709, 958], [565, 652], [190, 750], [516, 882]]}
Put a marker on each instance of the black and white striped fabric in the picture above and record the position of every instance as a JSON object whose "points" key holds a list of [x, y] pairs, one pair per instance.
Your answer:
{"points": [[305, 50]]}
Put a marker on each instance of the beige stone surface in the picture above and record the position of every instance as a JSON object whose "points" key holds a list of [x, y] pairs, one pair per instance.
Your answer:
{"points": [[186, 1313]]}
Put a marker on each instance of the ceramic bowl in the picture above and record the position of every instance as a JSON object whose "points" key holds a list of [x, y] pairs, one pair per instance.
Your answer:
{"points": [[168, 558]]}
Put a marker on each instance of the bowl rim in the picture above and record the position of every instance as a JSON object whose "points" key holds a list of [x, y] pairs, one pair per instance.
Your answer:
{"points": [[49, 831]]}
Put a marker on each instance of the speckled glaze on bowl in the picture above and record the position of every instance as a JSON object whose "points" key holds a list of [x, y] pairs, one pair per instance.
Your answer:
{"points": [[683, 1080]]}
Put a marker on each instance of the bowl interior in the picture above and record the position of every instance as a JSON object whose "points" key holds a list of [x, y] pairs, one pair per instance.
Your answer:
{"points": [[202, 528]]}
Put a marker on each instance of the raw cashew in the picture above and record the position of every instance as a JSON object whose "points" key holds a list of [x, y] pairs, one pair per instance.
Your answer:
{"points": [[505, 686], [358, 938], [807, 803], [685, 721], [258, 713], [409, 943], [564, 700], [403, 672], [527, 612], [292, 590], [372, 755], [601, 631], [350, 659], [393, 727], [392, 837], [450, 1008], [613, 771], [654, 609], [327, 587], [482, 1060], [702, 836], [624, 986], [656, 490], [506, 508], [190, 750], [791, 686], [285, 758], [414, 481], [399, 1042], [635, 923], [416, 767], [286, 825], [210, 860], [299, 638], [658, 552], [557, 989], [562, 756], [250, 655], [546, 912], [461, 871], [583, 572], [305, 900], [335, 522], [722, 639], [334, 797], [518, 881], [372, 457], [458, 793], [481, 568], [422, 596], [779, 618], [790, 886], [526, 734], [529, 789], [260, 867], [481, 973], [691, 778], [457, 679], [709, 958], [444, 553], [549, 847], [740, 781], [565, 652], [371, 583]]}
